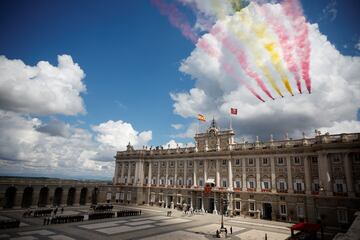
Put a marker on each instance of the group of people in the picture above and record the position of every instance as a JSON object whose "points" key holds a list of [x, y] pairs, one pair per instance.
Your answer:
{"points": [[102, 207], [225, 230], [101, 215], [194, 212], [125, 213], [63, 219], [42, 212]]}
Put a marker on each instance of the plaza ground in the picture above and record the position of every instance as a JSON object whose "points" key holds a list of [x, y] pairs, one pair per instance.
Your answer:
{"points": [[152, 224]]}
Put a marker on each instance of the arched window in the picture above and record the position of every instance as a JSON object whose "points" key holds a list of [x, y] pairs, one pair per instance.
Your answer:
{"points": [[251, 183], [180, 181], [339, 186], [299, 185], [224, 183], [281, 185], [201, 182]]}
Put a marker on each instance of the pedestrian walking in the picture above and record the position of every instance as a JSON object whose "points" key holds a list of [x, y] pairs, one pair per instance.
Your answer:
{"points": [[62, 210], [225, 232], [231, 230]]}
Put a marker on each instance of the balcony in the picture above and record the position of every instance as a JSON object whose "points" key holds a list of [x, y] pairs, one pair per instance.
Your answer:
{"points": [[237, 189], [251, 189], [299, 191], [221, 189], [340, 194], [265, 190], [315, 192], [153, 185], [188, 186], [282, 190]]}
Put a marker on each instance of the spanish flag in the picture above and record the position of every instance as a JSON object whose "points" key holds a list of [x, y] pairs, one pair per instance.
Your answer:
{"points": [[201, 117]]}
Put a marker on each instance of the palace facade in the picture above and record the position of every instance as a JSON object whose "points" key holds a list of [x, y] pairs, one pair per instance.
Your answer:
{"points": [[308, 179]]}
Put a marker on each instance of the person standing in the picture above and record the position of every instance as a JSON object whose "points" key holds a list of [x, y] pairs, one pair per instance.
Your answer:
{"points": [[231, 230]]}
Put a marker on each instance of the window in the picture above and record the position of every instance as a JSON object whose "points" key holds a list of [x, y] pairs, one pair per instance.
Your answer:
{"points": [[171, 181], [300, 211], [201, 182], [152, 198], [190, 163], [237, 162], [181, 164], [315, 185], [282, 186], [238, 184], [342, 216], [251, 184], [339, 187], [265, 161], [172, 164], [132, 180], [336, 158], [224, 162], [356, 157], [296, 160], [128, 196], [314, 160], [162, 181], [280, 160], [155, 164], [146, 181], [163, 164], [251, 162], [237, 205], [201, 162], [125, 180], [298, 186], [189, 182], [153, 181], [224, 183], [266, 185], [252, 206], [180, 181], [121, 195], [283, 209]]}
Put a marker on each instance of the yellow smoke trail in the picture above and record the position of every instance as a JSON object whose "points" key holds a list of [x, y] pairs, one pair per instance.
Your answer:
{"points": [[270, 46], [243, 36]]}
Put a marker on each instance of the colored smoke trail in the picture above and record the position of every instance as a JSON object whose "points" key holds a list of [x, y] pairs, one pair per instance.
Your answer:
{"points": [[203, 44], [244, 37], [231, 72], [293, 10], [176, 18], [270, 46], [241, 57], [285, 44]]}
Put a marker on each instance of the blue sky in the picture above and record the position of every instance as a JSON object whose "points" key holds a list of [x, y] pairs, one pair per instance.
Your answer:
{"points": [[131, 55]]}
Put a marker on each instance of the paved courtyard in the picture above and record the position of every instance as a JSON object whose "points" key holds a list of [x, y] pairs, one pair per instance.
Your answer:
{"points": [[152, 224]]}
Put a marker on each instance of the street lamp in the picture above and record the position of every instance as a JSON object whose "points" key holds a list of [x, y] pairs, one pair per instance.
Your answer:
{"points": [[223, 202]]}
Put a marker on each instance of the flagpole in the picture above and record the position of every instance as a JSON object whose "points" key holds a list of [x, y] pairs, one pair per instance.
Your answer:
{"points": [[230, 121]]}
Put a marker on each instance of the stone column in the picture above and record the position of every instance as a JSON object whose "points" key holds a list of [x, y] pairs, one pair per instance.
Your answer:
{"points": [[129, 174], [175, 174], [150, 174], [244, 174], [195, 173], [158, 175], [307, 171], [230, 174], [325, 174], [167, 173], [115, 180], [122, 172], [185, 173], [273, 176], [258, 182], [215, 211], [141, 172], [136, 177], [289, 175], [217, 173], [349, 175], [205, 171], [202, 202]]}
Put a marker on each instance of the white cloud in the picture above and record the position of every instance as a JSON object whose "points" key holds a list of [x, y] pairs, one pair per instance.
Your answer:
{"points": [[329, 12], [342, 127], [335, 96], [118, 134], [357, 45], [42, 89], [173, 144], [29, 146], [177, 126]]}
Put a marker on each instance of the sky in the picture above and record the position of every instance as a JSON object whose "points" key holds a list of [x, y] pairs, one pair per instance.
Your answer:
{"points": [[81, 79]]}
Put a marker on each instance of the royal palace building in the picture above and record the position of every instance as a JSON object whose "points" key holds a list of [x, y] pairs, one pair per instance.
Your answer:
{"points": [[308, 179]]}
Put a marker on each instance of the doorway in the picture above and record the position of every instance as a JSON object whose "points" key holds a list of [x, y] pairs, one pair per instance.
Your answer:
{"points": [[267, 211]]}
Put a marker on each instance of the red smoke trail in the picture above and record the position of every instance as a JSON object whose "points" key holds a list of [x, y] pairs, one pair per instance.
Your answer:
{"points": [[285, 44], [231, 72], [203, 44], [293, 10], [241, 57], [176, 18]]}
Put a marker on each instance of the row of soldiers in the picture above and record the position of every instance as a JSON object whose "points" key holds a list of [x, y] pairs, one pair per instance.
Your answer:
{"points": [[125, 213], [63, 219], [103, 207], [93, 216]]}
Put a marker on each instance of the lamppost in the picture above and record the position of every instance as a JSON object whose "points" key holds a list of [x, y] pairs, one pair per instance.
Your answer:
{"points": [[223, 202]]}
